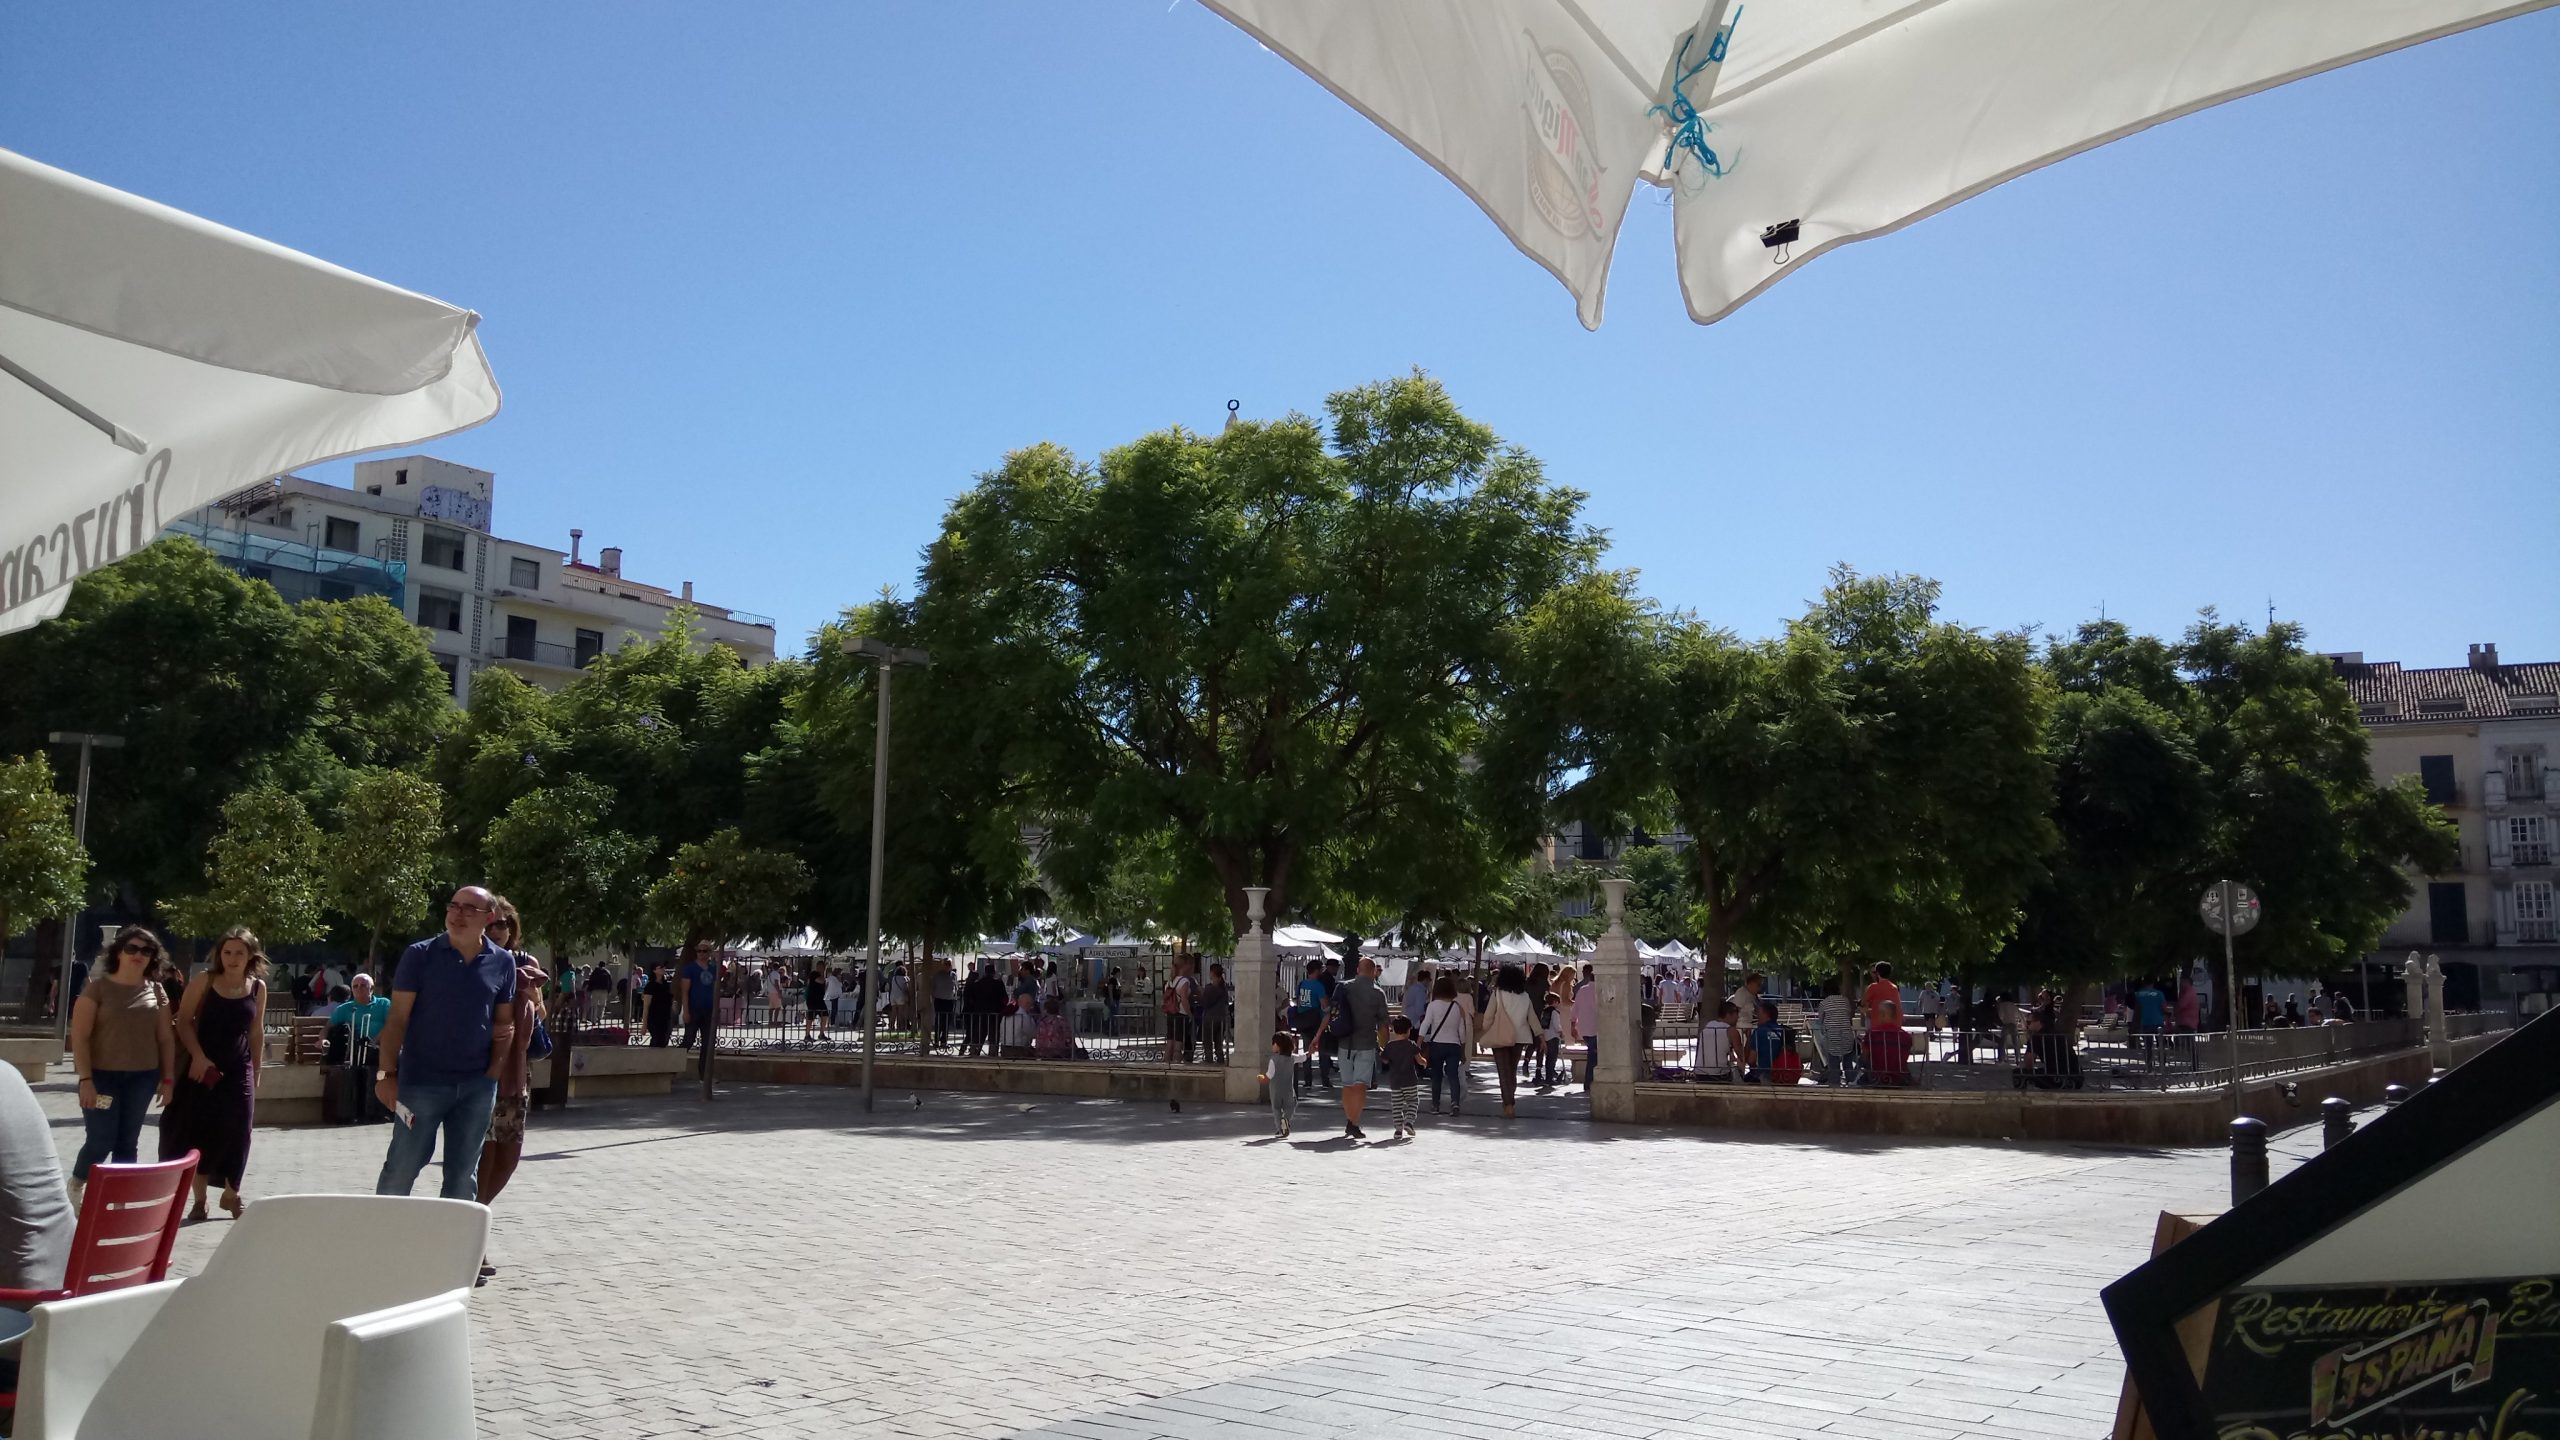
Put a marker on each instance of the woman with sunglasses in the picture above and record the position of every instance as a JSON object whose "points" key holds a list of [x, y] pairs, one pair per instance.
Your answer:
{"points": [[505, 1145], [123, 1047], [221, 1023]]}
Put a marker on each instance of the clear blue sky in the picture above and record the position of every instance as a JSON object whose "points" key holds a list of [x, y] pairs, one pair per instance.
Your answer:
{"points": [[767, 283]]}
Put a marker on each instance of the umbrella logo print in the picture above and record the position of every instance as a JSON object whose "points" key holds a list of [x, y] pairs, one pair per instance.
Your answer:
{"points": [[1564, 175]]}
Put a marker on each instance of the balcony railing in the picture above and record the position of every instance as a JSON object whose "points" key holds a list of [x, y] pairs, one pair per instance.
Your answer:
{"points": [[536, 652], [2538, 853], [2534, 932]]}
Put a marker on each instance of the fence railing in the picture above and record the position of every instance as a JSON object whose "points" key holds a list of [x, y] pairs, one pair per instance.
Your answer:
{"points": [[2101, 1058]]}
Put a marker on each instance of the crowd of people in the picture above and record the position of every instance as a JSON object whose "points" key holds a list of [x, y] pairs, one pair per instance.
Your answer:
{"points": [[446, 1055]]}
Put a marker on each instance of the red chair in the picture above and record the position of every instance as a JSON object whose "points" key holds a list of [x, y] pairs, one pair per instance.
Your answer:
{"points": [[128, 1224]]}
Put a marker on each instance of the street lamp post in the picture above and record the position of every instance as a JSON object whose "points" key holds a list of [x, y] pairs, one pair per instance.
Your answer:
{"points": [[884, 655], [79, 832]]}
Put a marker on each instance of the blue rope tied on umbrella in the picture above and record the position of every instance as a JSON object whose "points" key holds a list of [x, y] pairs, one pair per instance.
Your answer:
{"points": [[1689, 128]]}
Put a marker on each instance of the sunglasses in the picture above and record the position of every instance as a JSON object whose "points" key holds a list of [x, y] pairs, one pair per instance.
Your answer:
{"points": [[137, 947]]}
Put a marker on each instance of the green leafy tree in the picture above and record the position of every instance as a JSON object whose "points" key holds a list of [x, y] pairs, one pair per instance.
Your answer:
{"points": [[954, 863], [217, 686], [1870, 783], [42, 867], [264, 872], [382, 857], [1282, 642], [2227, 753], [574, 878], [206, 676], [383, 701], [722, 888], [1661, 893], [668, 727]]}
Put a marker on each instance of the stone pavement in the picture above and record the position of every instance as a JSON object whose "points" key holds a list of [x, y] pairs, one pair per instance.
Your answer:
{"points": [[777, 1264]]}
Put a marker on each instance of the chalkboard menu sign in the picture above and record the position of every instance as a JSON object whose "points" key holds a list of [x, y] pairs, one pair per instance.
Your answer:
{"points": [[2459, 1360]]}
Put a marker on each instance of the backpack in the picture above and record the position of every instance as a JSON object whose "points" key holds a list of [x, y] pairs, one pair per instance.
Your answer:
{"points": [[1337, 1024], [1172, 999]]}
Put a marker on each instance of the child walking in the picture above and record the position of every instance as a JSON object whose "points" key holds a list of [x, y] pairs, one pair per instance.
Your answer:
{"points": [[1402, 1059], [1278, 1079]]}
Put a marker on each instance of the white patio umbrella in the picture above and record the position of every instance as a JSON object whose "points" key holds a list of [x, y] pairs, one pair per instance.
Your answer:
{"points": [[1786, 127], [152, 362]]}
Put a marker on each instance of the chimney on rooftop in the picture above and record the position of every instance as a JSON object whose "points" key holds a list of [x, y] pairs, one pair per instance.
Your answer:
{"points": [[609, 560], [575, 535], [688, 589], [2484, 658]]}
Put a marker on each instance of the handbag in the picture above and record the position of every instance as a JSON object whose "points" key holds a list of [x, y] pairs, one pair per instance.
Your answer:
{"points": [[539, 1047]]}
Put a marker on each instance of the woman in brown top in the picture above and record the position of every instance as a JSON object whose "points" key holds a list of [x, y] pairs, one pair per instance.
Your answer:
{"points": [[221, 1025], [123, 1047]]}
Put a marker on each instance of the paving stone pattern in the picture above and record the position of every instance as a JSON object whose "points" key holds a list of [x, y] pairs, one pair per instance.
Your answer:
{"points": [[777, 1264]]}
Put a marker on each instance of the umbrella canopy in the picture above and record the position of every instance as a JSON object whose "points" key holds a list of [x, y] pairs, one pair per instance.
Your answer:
{"points": [[1786, 127], [1302, 937], [152, 362]]}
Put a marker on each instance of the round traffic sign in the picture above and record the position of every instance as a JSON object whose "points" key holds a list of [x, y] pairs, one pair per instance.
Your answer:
{"points": [[2244, 911]]}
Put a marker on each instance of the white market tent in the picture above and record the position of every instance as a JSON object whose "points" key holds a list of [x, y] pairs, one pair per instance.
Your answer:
{"points": [[1304, 939], [1519, 945], [1784, 128], [152, 362]]}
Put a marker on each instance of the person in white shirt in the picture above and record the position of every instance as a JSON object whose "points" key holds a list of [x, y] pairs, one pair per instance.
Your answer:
{"points": [[773, 993], [1746, 1001], [1720, 1044], [1835, 1033], [835, 997], [1020, 1028]]}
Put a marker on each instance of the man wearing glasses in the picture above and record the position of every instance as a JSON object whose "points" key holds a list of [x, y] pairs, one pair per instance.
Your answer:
{"points": [[452, 1021]]}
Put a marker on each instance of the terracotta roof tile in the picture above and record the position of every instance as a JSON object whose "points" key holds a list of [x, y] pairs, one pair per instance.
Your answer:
{"points": [[2386, 694]]}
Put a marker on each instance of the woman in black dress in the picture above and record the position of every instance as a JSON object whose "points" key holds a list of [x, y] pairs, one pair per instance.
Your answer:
{"points": [[660, 993], [221, 1034]]}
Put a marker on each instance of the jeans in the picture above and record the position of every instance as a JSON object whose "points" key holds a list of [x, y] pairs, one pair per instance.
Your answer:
{"points": [[1590, 1062], [461, 1110], [942, 1012], [696, 1022], [1448, 1058], [114, 1132], [1550, 1060]]}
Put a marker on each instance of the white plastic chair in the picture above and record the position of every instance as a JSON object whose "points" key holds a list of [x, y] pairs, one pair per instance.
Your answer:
{"points": [[337, 1317]]}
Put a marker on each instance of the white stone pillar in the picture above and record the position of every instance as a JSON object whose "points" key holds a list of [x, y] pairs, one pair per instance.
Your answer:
{"points": [[1251, 980], [2413, 987], [1620, 975], [2439, 1043]]}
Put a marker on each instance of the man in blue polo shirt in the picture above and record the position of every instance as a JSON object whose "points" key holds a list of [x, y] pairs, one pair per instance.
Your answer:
{"points": [[452, 1018]]}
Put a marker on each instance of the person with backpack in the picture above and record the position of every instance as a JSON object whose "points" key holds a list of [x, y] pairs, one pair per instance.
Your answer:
{"points": [[1359, 1026], [1176, 1003]]}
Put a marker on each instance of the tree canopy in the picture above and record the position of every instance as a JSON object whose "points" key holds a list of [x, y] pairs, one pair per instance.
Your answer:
{"points": [[264, 872], [2226, 754], [43, 869], [1279, 643]]}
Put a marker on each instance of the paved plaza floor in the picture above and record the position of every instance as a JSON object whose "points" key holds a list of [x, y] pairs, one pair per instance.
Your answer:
{"points": [[778, 1264]]}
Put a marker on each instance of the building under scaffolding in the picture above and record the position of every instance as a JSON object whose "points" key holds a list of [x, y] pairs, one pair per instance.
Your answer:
{"points": [[298, 571]]}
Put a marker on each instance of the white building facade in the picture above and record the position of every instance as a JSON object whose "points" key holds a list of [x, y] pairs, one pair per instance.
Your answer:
{"points": [[2482, 738], [416, 530]]}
